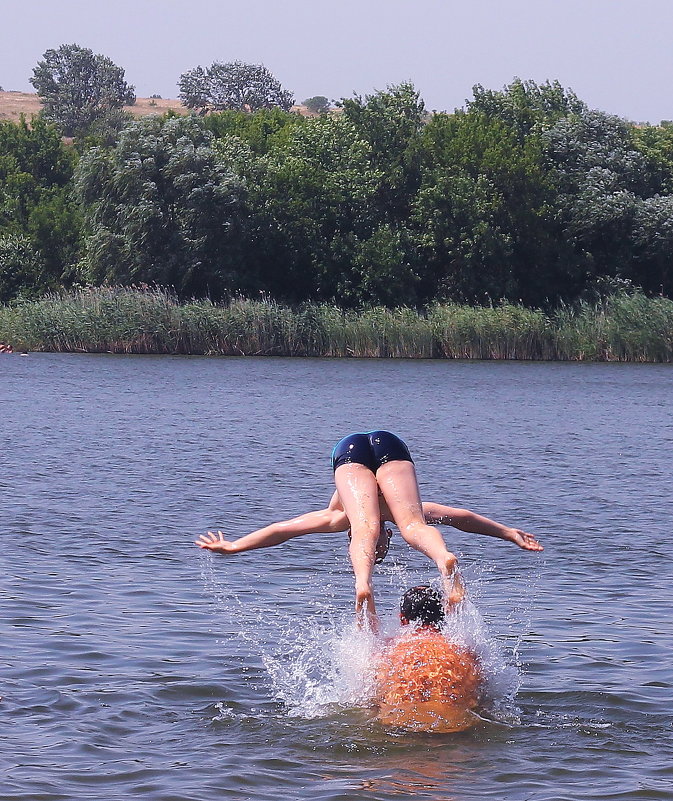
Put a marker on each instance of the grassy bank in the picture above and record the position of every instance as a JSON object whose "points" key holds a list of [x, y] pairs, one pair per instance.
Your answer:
{"points": [[624, 328]]}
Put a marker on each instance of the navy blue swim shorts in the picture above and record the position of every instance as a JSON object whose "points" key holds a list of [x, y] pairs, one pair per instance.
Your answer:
{"points": [[371, 450]]}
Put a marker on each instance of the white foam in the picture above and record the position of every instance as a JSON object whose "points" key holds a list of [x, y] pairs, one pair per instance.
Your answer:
{"points": [[316, 668]]}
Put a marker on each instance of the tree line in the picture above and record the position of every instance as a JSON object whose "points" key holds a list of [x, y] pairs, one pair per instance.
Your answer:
{"points": [[526, 194]]}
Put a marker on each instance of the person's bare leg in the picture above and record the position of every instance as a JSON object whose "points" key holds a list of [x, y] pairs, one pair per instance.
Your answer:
{"points": [[399, 486], [358, 491]]}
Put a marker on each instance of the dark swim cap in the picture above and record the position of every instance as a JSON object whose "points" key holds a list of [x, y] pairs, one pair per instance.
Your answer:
{"points": [[423, 604]]}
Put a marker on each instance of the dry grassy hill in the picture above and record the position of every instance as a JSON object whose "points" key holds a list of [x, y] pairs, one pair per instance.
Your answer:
{"points": [[14, 104]]}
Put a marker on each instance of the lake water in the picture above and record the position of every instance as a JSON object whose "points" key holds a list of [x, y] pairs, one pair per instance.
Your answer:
{"points": [[132, 664]]}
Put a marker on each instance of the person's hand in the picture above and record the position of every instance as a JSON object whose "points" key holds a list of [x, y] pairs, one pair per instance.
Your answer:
{"points": [[214, 541], [524, 540]]}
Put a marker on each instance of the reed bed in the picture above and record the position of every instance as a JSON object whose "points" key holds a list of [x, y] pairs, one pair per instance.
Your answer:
{"points": [[629, 327]]}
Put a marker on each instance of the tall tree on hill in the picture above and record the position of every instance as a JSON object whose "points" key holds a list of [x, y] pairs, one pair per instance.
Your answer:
{"points": [[318, 104], [81, 91], [235, 85]]}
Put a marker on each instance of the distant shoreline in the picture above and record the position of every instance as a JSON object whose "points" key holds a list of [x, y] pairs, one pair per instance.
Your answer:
{"points": [[623, 328]]}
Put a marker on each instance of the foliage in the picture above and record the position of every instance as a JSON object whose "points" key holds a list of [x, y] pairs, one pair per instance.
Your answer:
{"points": [[656, 146], [20, 267], [615, 224], [81, 90], [262, 131], [486, 213], [34, 150], [391, 123], [38, 215], [526, 107], [161, 207], [459, 233], [313, 211], [235, 85], [625, 327], [318, 104], [525, 196]]}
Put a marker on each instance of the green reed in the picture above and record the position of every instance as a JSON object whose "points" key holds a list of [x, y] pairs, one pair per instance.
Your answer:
{"points": [[628, 327], [500, 332]]}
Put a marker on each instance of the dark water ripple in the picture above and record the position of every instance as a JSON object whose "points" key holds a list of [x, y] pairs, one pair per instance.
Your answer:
{"points": [[133, 665]]}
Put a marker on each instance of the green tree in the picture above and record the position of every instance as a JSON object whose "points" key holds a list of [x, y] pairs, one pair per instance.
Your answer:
{"points": [[652, 237], [234, 85], [161, 207], [311, 199], [458, 223], [262, 130], [81, 90], [318, 104], [391, 122], [600, 177], [36, 202], [656, 145], [592, 139], [525, 106], [385, 274], [21, 269], [500, 237]]}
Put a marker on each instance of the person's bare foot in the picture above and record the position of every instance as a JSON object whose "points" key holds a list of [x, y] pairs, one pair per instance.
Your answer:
{"points": [[454, 590], [365, 610]]}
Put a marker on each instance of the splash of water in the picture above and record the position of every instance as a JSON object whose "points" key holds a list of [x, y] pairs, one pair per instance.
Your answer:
{"points": [[501, 675], [315, 669]]}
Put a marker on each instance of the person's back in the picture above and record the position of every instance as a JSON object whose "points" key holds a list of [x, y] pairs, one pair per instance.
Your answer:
{"points": [[424, 682]]}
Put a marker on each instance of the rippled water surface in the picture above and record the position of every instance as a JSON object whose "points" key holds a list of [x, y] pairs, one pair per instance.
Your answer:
{"points": [[134, 665]]}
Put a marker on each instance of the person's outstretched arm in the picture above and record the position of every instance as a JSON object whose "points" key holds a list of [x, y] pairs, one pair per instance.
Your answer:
{"points": [[465, 520], [323, 521]]}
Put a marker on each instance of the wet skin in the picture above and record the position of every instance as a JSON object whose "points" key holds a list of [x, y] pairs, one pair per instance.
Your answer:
{"points": [[390, 495]]}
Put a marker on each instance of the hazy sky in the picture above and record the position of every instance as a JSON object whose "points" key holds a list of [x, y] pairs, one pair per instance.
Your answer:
{"points": [[616, 54]]}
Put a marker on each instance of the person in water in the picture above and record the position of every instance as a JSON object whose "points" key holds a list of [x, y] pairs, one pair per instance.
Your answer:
{"points": [[375, 482], [425, 682], [379, 462]]}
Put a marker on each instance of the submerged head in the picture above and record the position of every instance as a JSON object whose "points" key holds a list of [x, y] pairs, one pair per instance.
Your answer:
{"points": [[422, 605], [382, 544]]}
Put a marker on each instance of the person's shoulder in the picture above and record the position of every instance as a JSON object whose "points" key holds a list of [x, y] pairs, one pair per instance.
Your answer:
{"points": [[411, 641], [396, 642]]}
